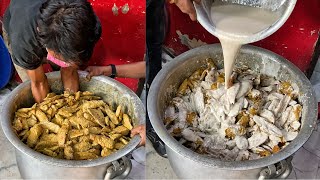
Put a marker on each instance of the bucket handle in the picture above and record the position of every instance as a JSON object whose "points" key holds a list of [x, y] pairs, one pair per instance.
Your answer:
{"points": [[280, 170], [119, 169]]}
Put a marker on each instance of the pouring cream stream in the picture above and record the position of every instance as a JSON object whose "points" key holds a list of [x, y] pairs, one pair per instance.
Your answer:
{"points": [[240, 22]]}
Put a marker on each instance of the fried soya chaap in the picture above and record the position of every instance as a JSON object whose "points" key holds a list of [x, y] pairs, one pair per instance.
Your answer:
{"points": [[75, 126]]}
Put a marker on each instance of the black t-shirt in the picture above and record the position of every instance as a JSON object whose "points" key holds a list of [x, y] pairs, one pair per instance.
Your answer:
{"points": [[20, 24]]}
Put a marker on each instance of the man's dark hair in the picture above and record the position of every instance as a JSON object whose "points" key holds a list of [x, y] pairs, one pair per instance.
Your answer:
{"points": [[69, 28]]}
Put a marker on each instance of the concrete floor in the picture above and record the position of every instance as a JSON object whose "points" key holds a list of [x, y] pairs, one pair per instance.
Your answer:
{"points": [[157, 166], [8, 165]]}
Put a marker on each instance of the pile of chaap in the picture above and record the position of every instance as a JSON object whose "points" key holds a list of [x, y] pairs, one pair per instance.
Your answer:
{"points": [[75, 126], [255, 117]]}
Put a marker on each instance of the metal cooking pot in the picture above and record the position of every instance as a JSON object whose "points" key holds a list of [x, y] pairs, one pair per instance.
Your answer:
{"points": [[189, 164], [34, 165]]}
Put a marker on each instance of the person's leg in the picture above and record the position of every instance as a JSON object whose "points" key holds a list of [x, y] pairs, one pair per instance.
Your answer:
{"points": [[21, 72], [155, 38]]}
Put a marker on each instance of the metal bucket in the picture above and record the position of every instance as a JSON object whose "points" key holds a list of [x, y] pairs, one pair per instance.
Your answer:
{"points": [[34, 165], [281, 7], [189, 164]]}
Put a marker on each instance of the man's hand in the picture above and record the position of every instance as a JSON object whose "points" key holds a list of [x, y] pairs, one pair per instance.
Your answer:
{"points": [[39, 84], [70, 78], [98, 70], [186, 6], [141, 130]]}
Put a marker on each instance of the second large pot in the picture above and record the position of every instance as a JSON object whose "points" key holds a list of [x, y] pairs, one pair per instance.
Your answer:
{"points": [[189, 164]]}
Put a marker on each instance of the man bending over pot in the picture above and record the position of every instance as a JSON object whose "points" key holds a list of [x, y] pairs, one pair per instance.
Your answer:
{"points": [[61, 31]]}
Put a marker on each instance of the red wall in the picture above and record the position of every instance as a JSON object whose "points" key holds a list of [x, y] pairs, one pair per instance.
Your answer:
{"points": [[295, 40], [123, 36]]}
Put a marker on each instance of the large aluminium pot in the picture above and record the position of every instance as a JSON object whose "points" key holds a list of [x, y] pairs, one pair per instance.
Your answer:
{"points": [[34, 165], [189, 164]]}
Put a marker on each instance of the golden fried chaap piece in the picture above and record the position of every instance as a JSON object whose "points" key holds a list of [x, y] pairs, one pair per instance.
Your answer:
{"points": [[111, 115], [97, 116], [85, 155], [102, 140], [126, 122], [121, 130], [41, 116], [34, 135]]}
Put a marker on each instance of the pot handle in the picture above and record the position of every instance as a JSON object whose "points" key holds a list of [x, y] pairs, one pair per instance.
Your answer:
{"points": [[280, 170], [119, 169]]}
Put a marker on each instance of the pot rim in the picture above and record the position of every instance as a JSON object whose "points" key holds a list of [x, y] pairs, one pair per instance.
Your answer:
{"points": [[156, 121], [23, 148]]}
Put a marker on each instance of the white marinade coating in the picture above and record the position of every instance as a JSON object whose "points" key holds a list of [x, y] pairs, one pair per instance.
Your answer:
{"points": [[256, 117]]}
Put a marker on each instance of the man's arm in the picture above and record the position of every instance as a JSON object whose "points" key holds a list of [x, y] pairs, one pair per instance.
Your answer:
{"points": [[39, 84], [133, 70], [70, 78], [186, 6]]}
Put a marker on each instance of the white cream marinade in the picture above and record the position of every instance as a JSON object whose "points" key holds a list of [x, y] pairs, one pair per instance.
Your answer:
{"points": [[256, 117]]}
